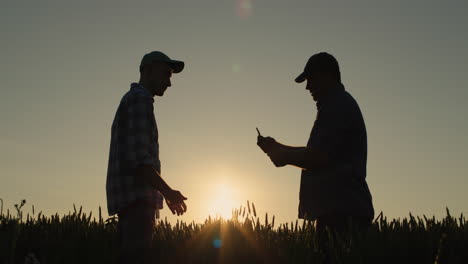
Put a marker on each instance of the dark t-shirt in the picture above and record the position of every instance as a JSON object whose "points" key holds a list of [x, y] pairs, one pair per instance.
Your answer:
{"points": [[339, 188]]}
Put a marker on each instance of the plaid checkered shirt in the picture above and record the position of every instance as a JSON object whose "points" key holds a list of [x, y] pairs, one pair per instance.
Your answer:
{"points": [[134, 141]]}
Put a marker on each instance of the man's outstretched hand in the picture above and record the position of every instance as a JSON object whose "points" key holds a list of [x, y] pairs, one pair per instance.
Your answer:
{"points": [[175, 202]]}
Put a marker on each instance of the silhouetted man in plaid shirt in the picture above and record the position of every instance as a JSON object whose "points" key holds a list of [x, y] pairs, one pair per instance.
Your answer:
{"points": [[134, 186]]}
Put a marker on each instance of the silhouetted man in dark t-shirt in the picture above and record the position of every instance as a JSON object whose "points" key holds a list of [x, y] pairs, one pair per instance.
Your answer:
{"points": [[333, 187]]}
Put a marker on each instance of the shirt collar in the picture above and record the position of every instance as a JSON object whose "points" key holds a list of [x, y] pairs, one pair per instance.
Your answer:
{"points": [[137, 86]]}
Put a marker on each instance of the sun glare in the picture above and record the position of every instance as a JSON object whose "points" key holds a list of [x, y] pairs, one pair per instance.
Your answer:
{"points": [[222, 200]]}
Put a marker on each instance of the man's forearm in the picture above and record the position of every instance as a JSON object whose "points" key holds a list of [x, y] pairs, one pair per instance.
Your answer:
{"points": [[292, 155], [295, 156], [290, 148], [309, 159], [304, 158], [149, 175]]}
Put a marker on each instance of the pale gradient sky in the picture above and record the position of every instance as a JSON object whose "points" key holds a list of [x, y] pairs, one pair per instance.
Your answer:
{"points": [[66, 64]]}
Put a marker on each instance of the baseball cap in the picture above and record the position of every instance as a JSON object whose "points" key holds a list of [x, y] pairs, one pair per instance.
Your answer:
{"points": [[322, 61], [158, 56]]}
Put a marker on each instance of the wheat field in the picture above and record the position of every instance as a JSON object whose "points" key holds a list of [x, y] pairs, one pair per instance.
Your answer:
{"points": [[80, 237]]}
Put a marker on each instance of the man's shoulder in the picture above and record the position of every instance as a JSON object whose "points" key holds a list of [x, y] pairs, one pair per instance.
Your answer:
{"points": [[345, 98], [338, 102], [342, 106], [137, 95], [345, 102]]}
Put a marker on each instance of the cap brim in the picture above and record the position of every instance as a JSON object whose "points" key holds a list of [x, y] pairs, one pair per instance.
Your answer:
{"points": [[177, 66], [301, 78]]}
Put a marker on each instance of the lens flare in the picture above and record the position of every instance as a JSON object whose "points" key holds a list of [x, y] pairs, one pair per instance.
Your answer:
{"points": [[217, 243], [244, 8]]}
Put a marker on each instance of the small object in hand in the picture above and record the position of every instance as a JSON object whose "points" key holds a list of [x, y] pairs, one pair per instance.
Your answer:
{"points": [[264, 143], [260, 138]]}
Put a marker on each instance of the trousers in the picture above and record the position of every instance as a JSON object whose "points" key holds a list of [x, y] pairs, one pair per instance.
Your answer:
{"points": [[135, 230]]}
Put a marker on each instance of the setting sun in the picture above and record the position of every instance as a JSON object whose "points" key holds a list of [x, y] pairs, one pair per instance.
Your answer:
{"points": [[222, 198]]}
